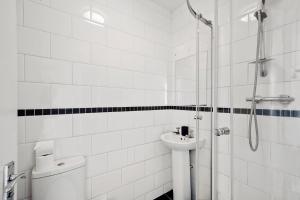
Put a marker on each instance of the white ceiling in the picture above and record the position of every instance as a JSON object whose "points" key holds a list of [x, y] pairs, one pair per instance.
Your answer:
{"points": [[170, 4]]}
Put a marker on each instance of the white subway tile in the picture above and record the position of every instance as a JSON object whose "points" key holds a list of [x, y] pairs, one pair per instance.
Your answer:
{"points": [[70, 49], [245, 192], [120, 120], [153, 133], [33, 42], [34, 95], [281, 161], [20, 14], [117, 159], [143, 119], [21, 67], [158, 163], [46, 70], [133, 172], [70, 96], [132, 137], [160, 148], [120, 78], [21, 130], [132, 61], [125, 193], [106, 142], [143, 152], [89, 31], [101, 55], [107, 97], [155, 193], [48, 127], [25, 156], [75, 146], [96, 165], [76, 7], [163, 177], [89, 124], [119, 40], [143, 186], [46, 19], [84, 74], [105, 183]]}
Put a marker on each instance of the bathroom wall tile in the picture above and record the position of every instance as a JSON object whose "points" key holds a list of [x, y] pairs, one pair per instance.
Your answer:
{"points": [[163, 177], [21, 67], [33, 42], [119, 121], [119, 40], [102, 96], [282, 162], [76, 7], [84, 74], [70, 96], [104, 183], [89, 31], [44, 70], [119, 78], [143, 185], [245, 192], [153, 133], [49, 19], [34, 95], [133, 61], [106, 142], [154, 194], [89, 124], [117, 159], [75, 146], [70, 49], [48, 127], [142, 119], [25, 156], [125, 192], [96, 165], [21, 130], [157, 164], [133, 172], [144, 152], [133, 137], [20, 13]]}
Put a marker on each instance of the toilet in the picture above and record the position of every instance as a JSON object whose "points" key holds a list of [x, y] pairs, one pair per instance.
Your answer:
{"points": [[66, 180]]}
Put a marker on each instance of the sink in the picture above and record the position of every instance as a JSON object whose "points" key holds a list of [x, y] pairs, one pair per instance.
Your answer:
{"points": [[178, 142], [180, 147]]}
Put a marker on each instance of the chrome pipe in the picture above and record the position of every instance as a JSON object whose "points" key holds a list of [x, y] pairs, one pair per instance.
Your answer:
{"points": [[284, 99], [198, 15]]}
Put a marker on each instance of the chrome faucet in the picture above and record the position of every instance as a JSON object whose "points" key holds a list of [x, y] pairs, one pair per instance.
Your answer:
{"points": [[9, 180], [177, 132]]}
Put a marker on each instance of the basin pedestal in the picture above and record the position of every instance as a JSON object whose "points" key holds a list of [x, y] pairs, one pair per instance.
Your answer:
{"points": [[181, 175]]}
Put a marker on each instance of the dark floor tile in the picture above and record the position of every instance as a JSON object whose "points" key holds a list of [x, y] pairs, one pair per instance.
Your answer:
{"points": [[170, 194], [163, 197]]}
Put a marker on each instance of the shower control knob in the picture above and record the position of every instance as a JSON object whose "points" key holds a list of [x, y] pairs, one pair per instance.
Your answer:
{"points": [[222, 131], [198, 117]]}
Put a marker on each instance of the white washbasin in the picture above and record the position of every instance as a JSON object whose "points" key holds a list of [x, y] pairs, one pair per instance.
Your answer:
{"points": [[178, 142]]}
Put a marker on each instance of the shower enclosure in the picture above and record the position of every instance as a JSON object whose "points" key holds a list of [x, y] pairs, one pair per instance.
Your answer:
{"points": [[216, 74]]}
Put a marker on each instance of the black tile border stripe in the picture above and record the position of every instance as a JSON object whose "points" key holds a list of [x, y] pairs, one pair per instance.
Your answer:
{"points": [[67, 111]]}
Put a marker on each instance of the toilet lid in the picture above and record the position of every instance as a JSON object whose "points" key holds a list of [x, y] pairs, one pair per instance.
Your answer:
{"points": [[60, 166]]}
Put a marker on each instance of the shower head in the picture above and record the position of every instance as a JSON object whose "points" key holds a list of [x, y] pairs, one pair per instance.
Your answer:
{"points": [[198, 15]]}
